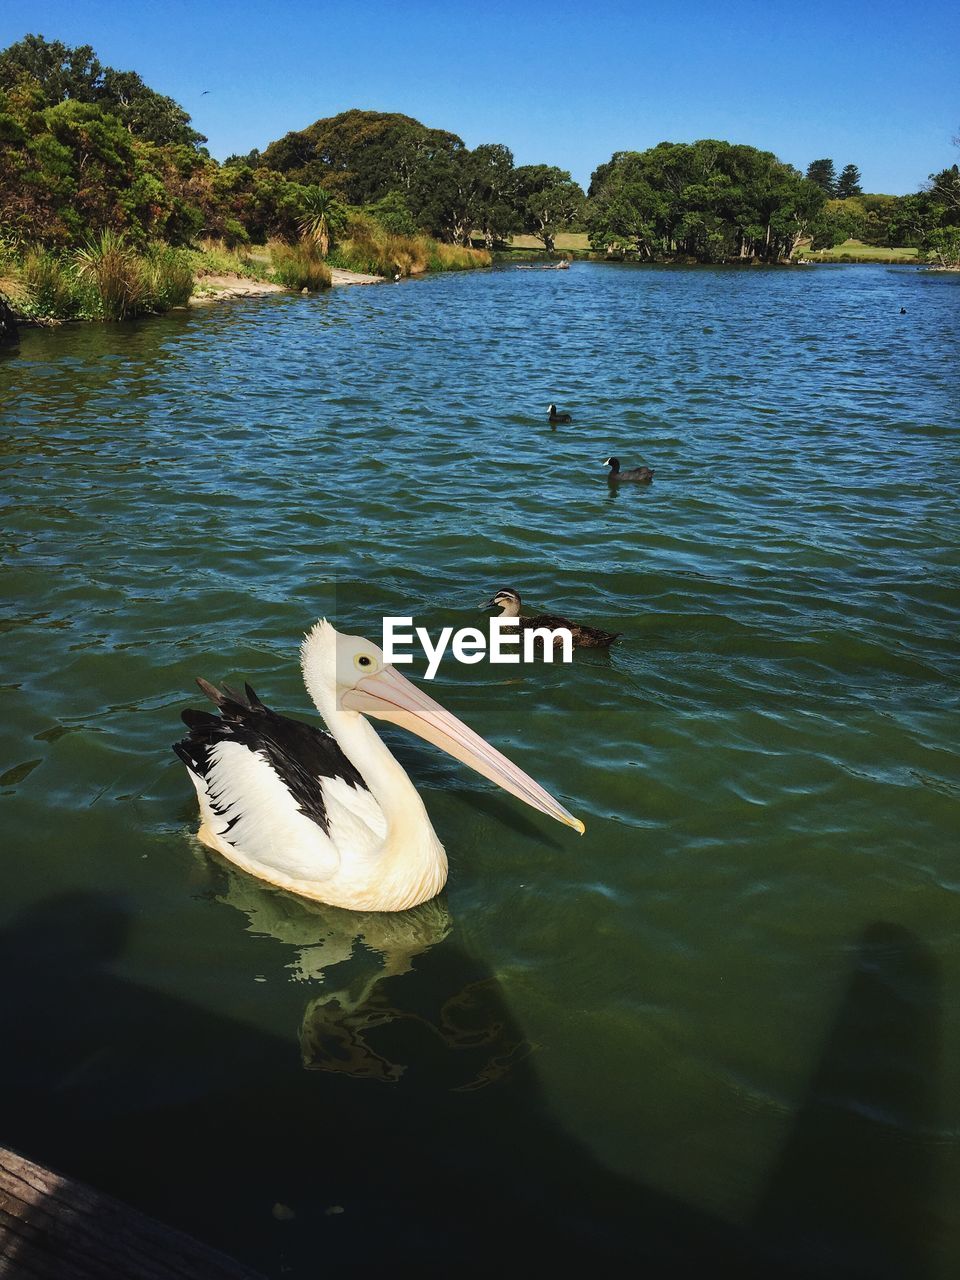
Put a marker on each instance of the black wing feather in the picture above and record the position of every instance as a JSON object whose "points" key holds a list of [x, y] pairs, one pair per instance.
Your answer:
{"points": [[300, 753]]}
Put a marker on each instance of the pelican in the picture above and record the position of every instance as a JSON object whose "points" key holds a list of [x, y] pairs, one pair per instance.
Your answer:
{"points": [[333, 816], [636, 475], [509, 602], [554, 416]]}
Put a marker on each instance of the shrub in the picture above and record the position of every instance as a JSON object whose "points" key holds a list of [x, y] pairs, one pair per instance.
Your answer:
{"points": [[393, 214], [218, 258], [107, 280], [452, 257]]}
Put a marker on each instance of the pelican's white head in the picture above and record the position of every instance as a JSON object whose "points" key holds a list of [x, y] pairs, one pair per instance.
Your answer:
{"points": [[334, 663], [347, 674]]}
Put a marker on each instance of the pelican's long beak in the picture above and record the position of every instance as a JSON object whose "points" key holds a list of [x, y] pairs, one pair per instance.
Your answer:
{"points": [[389, 696]]}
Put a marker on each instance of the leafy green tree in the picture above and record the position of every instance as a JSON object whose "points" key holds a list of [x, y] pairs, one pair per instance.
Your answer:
{"points": [[942, 237], [455, 192], [61, 72], [547, 200], [494, 179], [824, 175], [848, 184], [393, 214], [252, 160], [360, 155], [443, 196], [912, 218], [75, 170], [945, 190], [708, 200], [76, 75], [146, 114], [943, 245]]}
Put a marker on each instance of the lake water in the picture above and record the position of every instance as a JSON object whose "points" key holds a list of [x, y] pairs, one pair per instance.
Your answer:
{"points": [[723, 1027]]}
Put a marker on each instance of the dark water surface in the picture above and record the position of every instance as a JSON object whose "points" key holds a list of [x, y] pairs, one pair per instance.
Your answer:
{"points": [[724, 1024]]}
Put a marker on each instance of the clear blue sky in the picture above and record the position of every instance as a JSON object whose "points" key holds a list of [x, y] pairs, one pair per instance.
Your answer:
{"points": [[874, 84]]}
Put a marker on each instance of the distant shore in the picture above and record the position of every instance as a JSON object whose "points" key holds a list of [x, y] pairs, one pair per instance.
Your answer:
{"points": [[576, 245]]}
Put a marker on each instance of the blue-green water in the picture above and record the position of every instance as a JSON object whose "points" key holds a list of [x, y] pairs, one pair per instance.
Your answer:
{"points": [[722, 1025]]}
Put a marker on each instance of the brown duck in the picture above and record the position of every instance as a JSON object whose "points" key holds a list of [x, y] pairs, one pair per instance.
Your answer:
{"points": [[508, 601]]}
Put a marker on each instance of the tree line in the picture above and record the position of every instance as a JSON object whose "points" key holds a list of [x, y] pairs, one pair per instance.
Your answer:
{"points": [[414, 176], [86, 148]]}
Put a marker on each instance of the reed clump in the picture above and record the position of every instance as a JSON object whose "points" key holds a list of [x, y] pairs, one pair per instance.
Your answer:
{"points": [[168, 277], [369, 247], [299, 266], [108, 279], [115, 274], [454, 257], [47, 286]]}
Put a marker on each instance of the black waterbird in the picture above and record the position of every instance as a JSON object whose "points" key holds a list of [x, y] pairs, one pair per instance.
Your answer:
{"points": [[634, 475]]}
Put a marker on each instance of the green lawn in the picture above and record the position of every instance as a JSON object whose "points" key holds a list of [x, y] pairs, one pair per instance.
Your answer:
{"points": [[577, 240], [565, 240], [863, 252]]}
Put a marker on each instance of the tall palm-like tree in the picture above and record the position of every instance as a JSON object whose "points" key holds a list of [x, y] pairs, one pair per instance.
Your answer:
{"points": [[323, 217]]}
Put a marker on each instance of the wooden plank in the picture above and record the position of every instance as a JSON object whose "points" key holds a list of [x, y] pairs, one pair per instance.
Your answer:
{"points": [[52, 1228]]}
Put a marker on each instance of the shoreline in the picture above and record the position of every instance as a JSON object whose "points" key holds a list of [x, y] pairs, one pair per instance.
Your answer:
{"points": [[223, 288]]}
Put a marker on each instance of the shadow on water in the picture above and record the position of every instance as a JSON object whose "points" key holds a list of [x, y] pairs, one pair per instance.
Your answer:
{"points": [[405, 1124], [852, 1193]]}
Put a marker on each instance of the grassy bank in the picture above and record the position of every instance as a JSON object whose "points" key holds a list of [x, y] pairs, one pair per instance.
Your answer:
{"points": [[366, 245], [577, 244], [857, 251], [108, 279], [568, 244], [104, 280]]}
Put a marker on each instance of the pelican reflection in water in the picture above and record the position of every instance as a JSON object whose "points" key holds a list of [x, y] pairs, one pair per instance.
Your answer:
{"points": [[349, 954]]}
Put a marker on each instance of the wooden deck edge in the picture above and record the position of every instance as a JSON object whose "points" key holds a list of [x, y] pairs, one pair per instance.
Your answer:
{"points": [[53, 1228]]}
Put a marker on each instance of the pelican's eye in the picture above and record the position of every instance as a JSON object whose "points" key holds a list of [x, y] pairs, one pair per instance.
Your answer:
{"points": [[363, 662]]}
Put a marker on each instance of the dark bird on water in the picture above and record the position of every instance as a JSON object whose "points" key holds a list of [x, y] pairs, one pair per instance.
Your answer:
{"points": [[635, 475], [903, 311], [508, 601], [554, 416]]}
